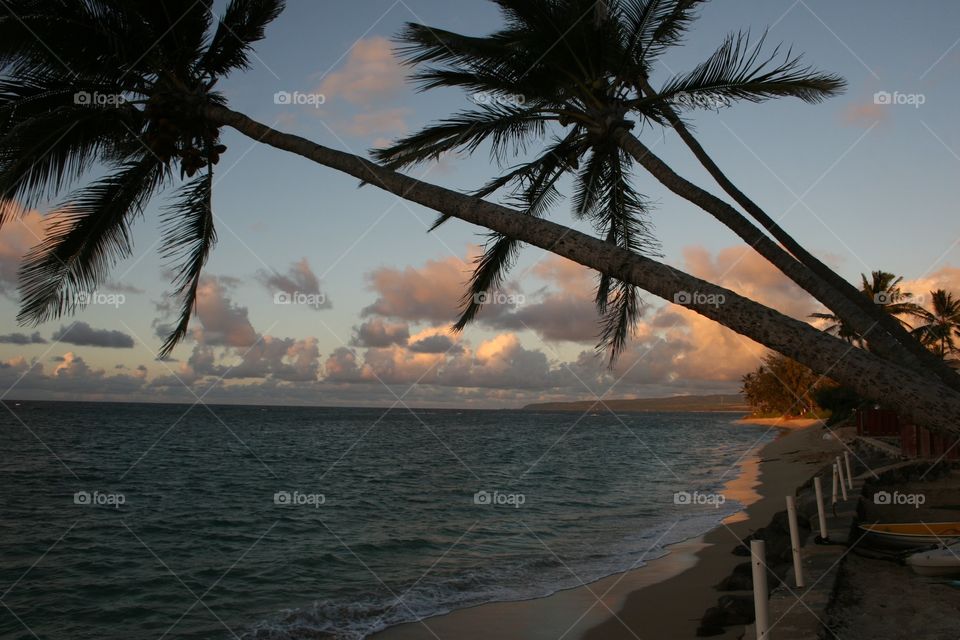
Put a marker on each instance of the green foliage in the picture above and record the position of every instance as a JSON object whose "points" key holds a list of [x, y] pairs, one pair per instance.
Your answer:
{"points": [[783, 387]]}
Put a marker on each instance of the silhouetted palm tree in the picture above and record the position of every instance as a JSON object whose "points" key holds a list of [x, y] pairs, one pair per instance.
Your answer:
{"points": [[99, 85], [940, 325], [883, 289], [571, 71]]}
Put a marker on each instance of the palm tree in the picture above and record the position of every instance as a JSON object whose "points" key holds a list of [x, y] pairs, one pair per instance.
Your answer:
{"points": [[883, 290], [79, 91], [148, 117], [582, 69], [940, 325], [578, 95]]}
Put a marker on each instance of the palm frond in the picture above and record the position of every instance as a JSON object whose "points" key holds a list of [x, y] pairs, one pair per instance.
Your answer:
{"points": [[243, 24], [738, 71], [84, 241], [500, 254], [48, 141], [535, 194], [188, 238], [508, 128], [654, 25]]}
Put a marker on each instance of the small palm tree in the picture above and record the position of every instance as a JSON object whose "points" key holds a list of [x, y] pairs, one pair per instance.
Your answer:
{"points": [[940, 325], [573, 73], [883, 288], [99, 85]]}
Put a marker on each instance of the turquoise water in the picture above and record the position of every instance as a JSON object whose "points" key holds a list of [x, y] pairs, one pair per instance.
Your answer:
{"points": [[150, 521]]}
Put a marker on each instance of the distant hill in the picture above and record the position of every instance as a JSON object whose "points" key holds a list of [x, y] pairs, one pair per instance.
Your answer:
{"points": [[676, 403]]}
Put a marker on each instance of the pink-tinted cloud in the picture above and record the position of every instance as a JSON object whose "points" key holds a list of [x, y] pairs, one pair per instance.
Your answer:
{"points": [[377, 332], [300, 284], [865, 114], [221, 321], [22, 231], [370, 74], [378, 123], [430, 293], [743, 270], [947, 278]]}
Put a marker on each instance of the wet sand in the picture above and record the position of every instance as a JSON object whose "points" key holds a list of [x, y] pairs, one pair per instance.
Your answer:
{"points": [[664, 599]]}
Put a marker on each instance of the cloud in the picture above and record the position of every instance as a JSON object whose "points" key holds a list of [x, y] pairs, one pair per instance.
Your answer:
{"points": [[221, 321], [22, 338], [378, 123], [82, 334], [379, 333], [563, 311], [435, 340], [947, 278], [300, 283], [370, 74], [743, 270], [430, 293], [22, 230], [434, 344], [868, 113]]}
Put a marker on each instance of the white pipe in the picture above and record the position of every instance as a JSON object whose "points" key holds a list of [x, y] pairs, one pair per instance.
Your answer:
{"points": [[846, 459], [843, 482], [758, 553], [821, 514], [794, 540], [834, 475]]}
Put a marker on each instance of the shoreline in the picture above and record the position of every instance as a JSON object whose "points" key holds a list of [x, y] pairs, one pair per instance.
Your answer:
{"points": [[673, 608], [781, 422], [665, 597]]}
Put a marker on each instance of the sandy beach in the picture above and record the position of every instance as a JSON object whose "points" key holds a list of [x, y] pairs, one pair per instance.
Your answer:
{"points": [[667, 597]]}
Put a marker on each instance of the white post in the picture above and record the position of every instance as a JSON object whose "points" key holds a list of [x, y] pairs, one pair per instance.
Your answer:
{"points": [[834, 475], [843, 482], [846, 459], [758, 553], [794, 540], [818, 488]]}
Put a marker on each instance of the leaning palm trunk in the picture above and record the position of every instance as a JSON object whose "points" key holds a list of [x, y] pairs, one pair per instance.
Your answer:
{"points": [[863, 323], [876, 315], [929, 403]]}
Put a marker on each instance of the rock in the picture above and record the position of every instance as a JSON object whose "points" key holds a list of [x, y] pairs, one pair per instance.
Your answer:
{"points": [[737, 609], [741, 579], [711, 623]]}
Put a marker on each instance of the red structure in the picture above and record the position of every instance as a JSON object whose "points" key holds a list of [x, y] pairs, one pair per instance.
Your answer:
{"points": [[877, 423], [915, 442]]}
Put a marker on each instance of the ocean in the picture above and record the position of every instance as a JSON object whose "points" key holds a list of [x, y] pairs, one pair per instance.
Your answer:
{"points": [[153, 521]]}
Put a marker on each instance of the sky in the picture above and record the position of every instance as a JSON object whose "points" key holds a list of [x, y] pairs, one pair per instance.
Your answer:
{"points": [[863, 182]]}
